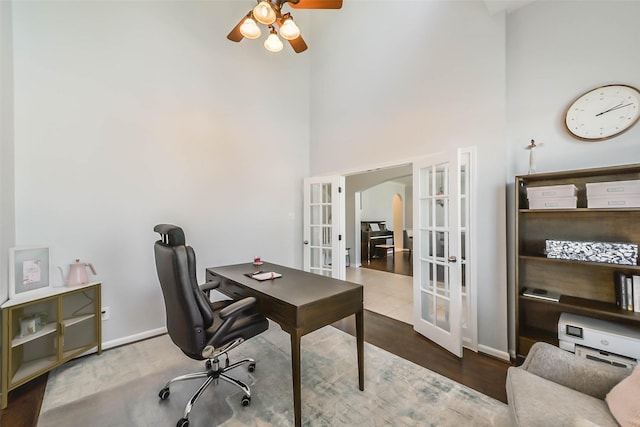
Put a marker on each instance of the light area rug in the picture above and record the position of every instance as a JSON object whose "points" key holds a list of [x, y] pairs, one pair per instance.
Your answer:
{"points": [[120, 387]]}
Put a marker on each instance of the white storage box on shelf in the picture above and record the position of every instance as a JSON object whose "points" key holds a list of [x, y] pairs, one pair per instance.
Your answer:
{"points": [[553, 197], [554, 203], [552, 191], [613, 194]]}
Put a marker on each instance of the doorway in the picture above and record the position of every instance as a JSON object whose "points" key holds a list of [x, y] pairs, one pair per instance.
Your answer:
{"points": [[382, 196]]}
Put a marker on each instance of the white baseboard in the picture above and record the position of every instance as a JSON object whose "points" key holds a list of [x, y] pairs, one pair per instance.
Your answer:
{"points": [[133, 338], [125, 340], [493, 352]]}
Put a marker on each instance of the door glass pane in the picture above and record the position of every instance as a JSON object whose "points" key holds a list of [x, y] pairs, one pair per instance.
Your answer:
{"points": [[442, 313], [426, 282], [315, 194], [316, 215], [464, 308], [315, 257], [427, 307], [326, 258], [442, 210], [326, 193], [326, 236], [326, 215], [441, 242], [315, 238], [425, 211], [442, 280], [425, 183], [425, 243]]}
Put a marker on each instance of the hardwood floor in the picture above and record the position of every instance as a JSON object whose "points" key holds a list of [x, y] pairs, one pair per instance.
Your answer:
{"points": [[482, 373], [398, 263]]}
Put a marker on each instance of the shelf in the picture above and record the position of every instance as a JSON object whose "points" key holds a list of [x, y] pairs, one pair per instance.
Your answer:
{"points": [[586, 288], [27, 357], [27, 369], [73, 320], [71, 353], [574, 210], [47, 329], [587, 306], [586, 263]]}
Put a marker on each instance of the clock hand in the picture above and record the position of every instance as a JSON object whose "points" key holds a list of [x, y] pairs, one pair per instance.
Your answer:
{"points": [[617, 107]]}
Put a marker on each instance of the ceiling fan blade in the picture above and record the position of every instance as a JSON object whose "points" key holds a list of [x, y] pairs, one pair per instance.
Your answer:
{"points": [[298, 44], [316, 4], [235, 35]]}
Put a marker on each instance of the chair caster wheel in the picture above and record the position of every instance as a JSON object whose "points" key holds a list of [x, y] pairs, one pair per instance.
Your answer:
{"points": [[164, 393], [246, 400], [252, 367], [183, 422]]}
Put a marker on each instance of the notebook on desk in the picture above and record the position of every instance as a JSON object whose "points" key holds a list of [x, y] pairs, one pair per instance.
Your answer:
{"points": [[264, 275]]}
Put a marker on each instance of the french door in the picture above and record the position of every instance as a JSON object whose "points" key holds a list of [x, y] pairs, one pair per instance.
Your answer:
{"points": [[324, 250], [437, 287]]}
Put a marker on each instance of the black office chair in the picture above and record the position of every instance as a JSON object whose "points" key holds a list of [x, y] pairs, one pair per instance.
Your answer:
{"points": [[202, 330]]}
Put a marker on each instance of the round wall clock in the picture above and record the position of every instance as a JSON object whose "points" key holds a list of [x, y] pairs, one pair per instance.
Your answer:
{"points": [[603, 112]]}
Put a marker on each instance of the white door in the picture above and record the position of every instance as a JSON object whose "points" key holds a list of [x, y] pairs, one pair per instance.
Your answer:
{"points": [[436, 239], [324, 224]]}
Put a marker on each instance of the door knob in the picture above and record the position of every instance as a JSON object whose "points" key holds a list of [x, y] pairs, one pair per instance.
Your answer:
{"points": [[452, 258], [306, 242]]}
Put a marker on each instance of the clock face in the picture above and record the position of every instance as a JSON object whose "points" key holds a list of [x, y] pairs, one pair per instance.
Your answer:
{"points": [[603, 112]]}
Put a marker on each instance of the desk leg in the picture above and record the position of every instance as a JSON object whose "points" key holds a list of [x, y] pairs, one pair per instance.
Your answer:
{"points": [[360, 344], [295, 368]]}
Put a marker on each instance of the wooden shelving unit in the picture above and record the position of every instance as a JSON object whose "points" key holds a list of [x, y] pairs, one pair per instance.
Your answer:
{"points": [[73, 327], [587, 288]]}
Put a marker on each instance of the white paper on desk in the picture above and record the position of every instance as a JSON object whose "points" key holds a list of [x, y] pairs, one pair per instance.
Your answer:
{"points": [[266, 276]]}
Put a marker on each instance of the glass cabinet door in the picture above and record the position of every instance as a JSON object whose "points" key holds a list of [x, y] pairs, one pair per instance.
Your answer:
{"points": [[34, 346], [79, 310]]}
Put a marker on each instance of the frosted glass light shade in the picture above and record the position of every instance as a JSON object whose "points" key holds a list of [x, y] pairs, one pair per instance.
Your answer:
{"points": [[289, 30], [249, 29], [264, 13], [273, 43]]}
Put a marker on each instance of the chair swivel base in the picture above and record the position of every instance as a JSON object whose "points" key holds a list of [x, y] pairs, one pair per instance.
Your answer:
{"points": [[213, 373]]}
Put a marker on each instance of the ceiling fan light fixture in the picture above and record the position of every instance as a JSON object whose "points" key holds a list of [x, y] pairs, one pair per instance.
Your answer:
{"points": [[289, 30], [273, 43], [264, 13], [249, 29]]}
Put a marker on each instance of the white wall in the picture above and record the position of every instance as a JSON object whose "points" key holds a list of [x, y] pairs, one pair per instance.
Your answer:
{"points": [[415, 79], [377, 202], [7, 217], [555, 52], [129, 114]]}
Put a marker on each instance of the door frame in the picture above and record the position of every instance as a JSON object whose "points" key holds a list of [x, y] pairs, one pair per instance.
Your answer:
{"points": [[470, 341]]}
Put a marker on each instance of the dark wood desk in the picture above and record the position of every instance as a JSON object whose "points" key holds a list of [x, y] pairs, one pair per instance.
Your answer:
{"points": [[300, 302]]}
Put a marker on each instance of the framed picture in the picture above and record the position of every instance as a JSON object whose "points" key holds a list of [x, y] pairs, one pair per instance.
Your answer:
{"points": [[29, 270]]}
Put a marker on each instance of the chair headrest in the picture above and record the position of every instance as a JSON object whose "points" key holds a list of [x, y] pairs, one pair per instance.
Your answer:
{"points": [[171, 234]]}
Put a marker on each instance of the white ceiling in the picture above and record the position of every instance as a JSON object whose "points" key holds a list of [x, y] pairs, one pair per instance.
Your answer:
{"points": [[496, 6]]}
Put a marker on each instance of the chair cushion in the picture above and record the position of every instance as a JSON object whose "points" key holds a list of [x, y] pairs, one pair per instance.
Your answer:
{"points": [[535, 401], [624, 400]]}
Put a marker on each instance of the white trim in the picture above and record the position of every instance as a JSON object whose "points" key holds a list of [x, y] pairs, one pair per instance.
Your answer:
{"points": [[472, 230], [133, 338], [493, 352]]}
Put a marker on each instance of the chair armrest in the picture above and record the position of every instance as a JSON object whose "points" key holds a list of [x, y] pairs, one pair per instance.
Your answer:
{"points": [[562, 367], [206, 287], [237, 307]]}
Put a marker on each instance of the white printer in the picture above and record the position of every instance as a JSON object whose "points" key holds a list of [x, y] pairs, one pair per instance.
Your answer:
{"points": [[599, 340]]}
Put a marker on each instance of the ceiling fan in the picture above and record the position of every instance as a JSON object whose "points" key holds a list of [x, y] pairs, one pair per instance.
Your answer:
{"points": [[269, 13]]}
